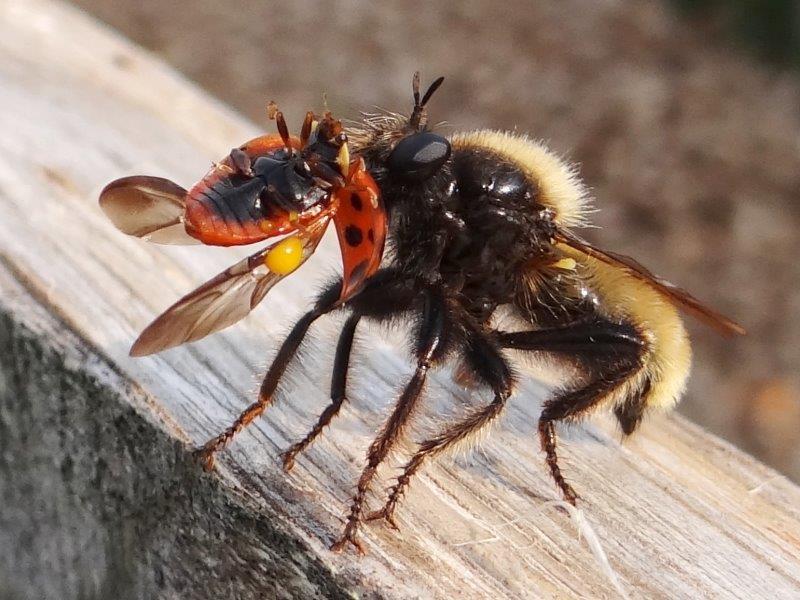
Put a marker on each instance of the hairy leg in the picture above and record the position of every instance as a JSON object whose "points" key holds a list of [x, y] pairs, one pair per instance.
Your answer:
{"points": [[327, 301], [431, 342], [386, 294], [487, 365], [612, 354], [341, 364], [569, 406]]}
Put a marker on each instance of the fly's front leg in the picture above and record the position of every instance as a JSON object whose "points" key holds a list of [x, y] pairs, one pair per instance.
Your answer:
{"points": [[327, 302], [431, 343], [384, 294], [341, 365]]}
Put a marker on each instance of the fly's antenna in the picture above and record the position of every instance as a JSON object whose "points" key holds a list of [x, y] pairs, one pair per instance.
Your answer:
{"points": [[431, 89], [415, 88], [280, 121], [418, 116]]}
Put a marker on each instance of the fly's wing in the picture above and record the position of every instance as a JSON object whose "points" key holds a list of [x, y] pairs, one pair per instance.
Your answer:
{"points": [[360, 221], [675, 294], [221, 301], [151, 208]]}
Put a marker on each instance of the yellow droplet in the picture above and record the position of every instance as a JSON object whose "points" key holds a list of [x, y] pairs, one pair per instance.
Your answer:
{"points": [[285, 256]]}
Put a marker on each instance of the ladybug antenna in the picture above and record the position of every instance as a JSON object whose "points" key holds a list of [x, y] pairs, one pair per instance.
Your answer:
{"points": [[418, 116]]}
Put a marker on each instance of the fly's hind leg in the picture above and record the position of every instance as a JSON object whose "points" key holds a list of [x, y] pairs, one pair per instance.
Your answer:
{"points": [[341, 364], [611, 353], [487, 365], [327, 302]]}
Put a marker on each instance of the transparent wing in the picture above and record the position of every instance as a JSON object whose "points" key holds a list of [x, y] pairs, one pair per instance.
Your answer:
{"points": [[221, 301], [147, 207], [675, 294]]}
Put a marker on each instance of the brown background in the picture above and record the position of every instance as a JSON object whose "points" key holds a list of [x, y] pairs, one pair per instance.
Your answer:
{"points": [[691, 146]]}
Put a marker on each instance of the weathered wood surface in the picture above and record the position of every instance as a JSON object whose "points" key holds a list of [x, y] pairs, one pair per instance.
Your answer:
{"points": [[99, 495]]}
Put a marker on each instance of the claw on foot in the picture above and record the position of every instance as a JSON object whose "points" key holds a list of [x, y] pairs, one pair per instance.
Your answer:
{"points": [[348, 537], [288, 459], [205, 457], [387, 514]]}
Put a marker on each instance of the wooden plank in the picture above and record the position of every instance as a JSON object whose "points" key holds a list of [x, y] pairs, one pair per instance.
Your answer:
{"points": [[678, 513]]}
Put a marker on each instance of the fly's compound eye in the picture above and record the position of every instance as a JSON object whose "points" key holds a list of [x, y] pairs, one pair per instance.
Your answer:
{"points": [[418, 156]]}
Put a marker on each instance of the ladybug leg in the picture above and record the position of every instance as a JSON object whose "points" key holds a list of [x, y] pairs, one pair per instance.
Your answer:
{"points": [[241, 162], [486, 364], [305, 130], [341, 364], [430, 346], [327, 302]]}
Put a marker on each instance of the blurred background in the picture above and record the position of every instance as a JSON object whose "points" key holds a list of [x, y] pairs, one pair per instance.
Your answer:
{"points": [[684, 116]]}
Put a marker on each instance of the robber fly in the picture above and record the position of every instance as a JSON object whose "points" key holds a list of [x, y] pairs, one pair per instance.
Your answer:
{"points": [[474, 222]]}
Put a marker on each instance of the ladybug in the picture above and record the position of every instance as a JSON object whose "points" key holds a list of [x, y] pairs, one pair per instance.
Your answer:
{"points": [[270, 186]]}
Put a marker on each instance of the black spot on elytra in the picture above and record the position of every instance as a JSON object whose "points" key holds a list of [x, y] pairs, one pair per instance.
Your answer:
{"points": [[371, 236], [353, 235], [355, 200]]}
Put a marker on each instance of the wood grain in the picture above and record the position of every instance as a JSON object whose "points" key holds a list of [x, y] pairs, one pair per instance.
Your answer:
{"points": [[679, 513]]}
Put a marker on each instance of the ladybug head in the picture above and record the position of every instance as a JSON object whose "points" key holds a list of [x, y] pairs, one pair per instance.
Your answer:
{"points": [[327, 151]]}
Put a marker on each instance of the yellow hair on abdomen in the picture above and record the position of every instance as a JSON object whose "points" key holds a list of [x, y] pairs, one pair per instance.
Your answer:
{"points": [[668, 359], [560, 188]]}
